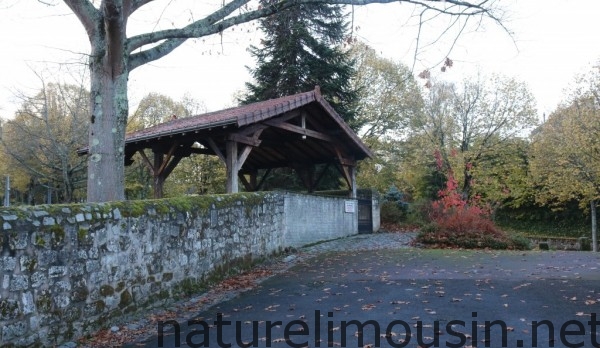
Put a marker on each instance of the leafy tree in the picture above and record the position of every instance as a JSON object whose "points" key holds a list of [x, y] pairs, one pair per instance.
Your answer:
{"points": [[566, 156], [195, 174], [469, 124], [389, 95], [43, 137], [20, 188], [154, 109], [303, 48], [503, 179], [384, 169], [114, 55], [418, 174]]}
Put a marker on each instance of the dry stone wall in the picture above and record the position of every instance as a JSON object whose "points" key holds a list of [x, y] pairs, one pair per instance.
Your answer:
{"points": [[67, 270]]}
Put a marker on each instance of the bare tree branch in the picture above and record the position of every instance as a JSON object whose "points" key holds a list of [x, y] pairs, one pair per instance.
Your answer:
{"points": [[86, 12], [219, 21]]}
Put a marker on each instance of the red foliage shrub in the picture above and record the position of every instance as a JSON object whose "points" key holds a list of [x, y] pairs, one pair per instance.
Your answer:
{"points": [[467, 220], [457, 222]]}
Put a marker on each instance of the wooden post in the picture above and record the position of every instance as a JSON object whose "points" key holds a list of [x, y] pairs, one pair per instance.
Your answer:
{"points": [[7, 192], [253, 180], [232, 166], [353, 181], [306, 173], [594, 226], [157, 179]]}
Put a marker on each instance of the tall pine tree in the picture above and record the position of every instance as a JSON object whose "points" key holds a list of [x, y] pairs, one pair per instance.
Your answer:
{"points": [[302, 49]]}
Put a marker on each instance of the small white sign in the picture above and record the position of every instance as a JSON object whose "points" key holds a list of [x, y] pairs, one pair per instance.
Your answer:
{"points": [[349, 207]]}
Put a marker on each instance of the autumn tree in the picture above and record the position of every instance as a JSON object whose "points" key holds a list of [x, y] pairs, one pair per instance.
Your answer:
{"points": [[389, 98], [503, 181], [469, 123], [199, 174], [389, 95], [153, 109], [43, 137], [20, 190], [114, 55], [565, 160]]}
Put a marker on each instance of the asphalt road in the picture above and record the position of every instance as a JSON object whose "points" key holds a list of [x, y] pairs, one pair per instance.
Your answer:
{"points": [[409, 298]]}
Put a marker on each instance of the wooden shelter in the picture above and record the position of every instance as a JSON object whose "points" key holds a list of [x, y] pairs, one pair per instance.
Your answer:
{"points": [[297, 131]]}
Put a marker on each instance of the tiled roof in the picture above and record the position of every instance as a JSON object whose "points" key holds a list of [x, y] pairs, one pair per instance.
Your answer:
{"points": [[240, 116]]}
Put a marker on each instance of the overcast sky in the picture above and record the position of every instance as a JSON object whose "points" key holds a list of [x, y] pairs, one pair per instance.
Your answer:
{"points": [[553, 41]]}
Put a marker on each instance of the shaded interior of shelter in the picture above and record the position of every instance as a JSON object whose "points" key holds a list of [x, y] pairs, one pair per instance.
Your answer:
{"points": [[302, 132]]}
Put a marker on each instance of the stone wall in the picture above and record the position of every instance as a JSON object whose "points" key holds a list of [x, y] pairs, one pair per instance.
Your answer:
{"points": [[69, 270], [555, 243]]}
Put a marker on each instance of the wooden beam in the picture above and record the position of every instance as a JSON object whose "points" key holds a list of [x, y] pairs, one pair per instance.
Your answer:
{"points": [[344, 169], [280, 119], [196, 151], [174, 162], [251, 130], [345, 174], [345, 161], [158, 180], [245, 182], [321, 175], [243, 139], [262, 180], [243, 156], [166, 160], [213, 146], [300, 130], [146, 161]]}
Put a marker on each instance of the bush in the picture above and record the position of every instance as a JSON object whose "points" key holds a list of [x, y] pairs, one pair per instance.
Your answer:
{"points": [[456, 223], [519, 242], [438, 238], [394, 209], [392, 213]]}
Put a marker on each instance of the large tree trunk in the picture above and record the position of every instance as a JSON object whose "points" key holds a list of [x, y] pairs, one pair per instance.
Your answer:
{"points": [[106, 168], [109, 73]]}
